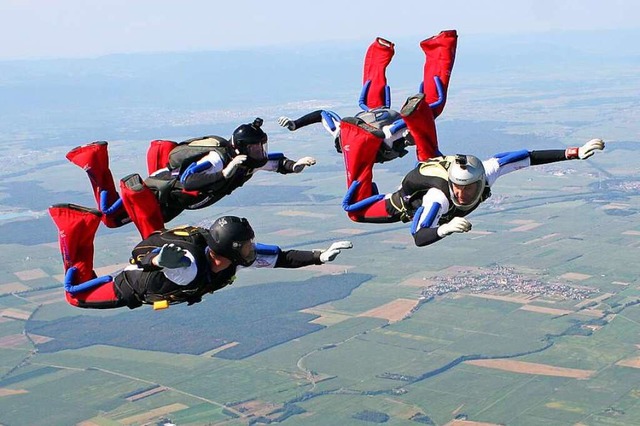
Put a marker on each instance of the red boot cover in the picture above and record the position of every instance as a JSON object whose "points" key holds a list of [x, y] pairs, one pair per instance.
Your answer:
{"points": [[77, 228], [421, 124], [93, 158], [359, 149], [376, 60], [142, 207], [158, 155], [440, 52]]}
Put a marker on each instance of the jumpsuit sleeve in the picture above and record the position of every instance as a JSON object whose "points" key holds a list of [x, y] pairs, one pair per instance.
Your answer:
{"points": [[548, 156], [204, 172], [424, 227], [507, 162], [307, 119], [277, 162], [272, 256]]}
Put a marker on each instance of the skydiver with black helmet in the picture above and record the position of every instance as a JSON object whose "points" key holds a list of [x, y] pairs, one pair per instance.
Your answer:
{"points": [[440, 191], [178, 265], [189, 175]]}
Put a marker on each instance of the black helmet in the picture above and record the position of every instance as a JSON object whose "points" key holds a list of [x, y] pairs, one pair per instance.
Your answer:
{"points": [[232, 237], [250, 140]]}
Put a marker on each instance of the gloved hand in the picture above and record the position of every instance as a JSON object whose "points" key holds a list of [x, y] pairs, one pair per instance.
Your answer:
{"points": [[390, 137], [233, 165], [302, 163], [171, 256], [287, 122], [589, 148], [334, 250], [456, 225]]}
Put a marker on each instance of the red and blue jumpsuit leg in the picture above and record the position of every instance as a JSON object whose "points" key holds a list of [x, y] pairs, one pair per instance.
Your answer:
{"points": [[77, 227], [359, 148], [141, 204], [418, 116], [375, 91], [93, 158], [440, 54], [158, 154], [420, 111]]}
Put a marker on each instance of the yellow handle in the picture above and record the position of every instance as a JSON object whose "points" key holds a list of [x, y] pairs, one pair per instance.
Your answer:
{"points": [[160, 304]]}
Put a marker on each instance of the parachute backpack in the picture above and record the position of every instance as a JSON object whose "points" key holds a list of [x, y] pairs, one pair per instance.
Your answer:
{"points": [[188, 237], [191, 150]]}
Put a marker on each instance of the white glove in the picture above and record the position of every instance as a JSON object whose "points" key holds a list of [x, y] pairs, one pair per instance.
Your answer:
{"points": [[233, 165], [287, 122], [302, 163], [456, 225], [334, 250], [589, 148], [389, 137], [171, 256]]}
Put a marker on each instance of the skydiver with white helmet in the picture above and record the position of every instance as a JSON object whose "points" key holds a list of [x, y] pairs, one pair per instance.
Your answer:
{"points": [[375, 97], [440, 191], [182, 176], [178, 265]]}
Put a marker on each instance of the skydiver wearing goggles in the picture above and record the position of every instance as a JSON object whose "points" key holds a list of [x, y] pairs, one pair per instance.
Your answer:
{"points": [[178, 265], [190, 175], [437, 194]]}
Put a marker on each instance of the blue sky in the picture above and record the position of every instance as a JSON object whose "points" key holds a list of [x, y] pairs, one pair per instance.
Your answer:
{"points": [[81, 28]]}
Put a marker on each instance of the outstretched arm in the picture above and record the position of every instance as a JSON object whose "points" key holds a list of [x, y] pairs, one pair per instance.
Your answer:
{"points": [[305, 120], [271, 256], [573, 153], [507, 162], [283, 165], [329, 119]]}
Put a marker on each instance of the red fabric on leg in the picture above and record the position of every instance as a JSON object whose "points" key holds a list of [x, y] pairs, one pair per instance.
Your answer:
{"points": [[421, 124], [440, 53], [76, 232], [158, 154], [376, 60], [95, 297], [142, 207], [93, 158], [376, 212], [359, 149]]}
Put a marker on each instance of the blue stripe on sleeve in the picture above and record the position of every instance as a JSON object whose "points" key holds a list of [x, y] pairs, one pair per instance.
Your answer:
{"points": [[194, 168], [429, 219], [275, 156], [511, 157], [267, 249]]}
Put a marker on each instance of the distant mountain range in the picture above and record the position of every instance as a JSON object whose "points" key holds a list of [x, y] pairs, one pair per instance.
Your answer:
{"points": [[279, 74]]}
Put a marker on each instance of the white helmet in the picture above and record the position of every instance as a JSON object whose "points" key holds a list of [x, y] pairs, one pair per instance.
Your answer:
{"points": [[467, 180]]}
